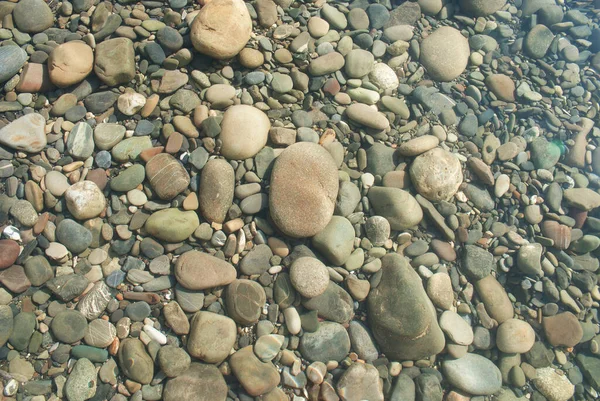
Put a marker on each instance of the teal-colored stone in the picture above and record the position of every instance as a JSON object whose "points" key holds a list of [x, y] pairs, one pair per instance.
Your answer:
{"points": [[94, 354]]}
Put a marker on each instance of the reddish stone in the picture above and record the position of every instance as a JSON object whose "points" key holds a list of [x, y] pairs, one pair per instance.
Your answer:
{"points": [[559, 233], [41, 223], [332, 86], [98, 177], [444, 250], [562, 330], [174, 143], [34, 78], [9, 252], [148, 297], [14, 279], [150, 153], [580, 216]]}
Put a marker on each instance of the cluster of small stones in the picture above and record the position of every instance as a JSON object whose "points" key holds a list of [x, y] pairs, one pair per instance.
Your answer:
{"points": [[299, 200]]}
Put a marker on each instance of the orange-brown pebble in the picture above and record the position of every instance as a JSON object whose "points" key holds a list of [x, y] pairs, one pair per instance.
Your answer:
{"points": [[148, 154], [174, 143], [278, 247], [191, 202], [150, 105], [233, 225]]}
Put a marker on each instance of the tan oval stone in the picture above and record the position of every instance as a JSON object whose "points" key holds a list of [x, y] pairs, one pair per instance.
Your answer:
{"points": [[244, 132], [70, 63], [196, 270], [221, 29], [436, 174], [304, 186]]}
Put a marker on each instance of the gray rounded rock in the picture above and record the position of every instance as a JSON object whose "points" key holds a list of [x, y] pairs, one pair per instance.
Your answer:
{"points": [[217, 183], [481, 8], [309, 277], [199, 382], [473, 374], [12, 59], [32, 16], [69, 326], [329, 343]]}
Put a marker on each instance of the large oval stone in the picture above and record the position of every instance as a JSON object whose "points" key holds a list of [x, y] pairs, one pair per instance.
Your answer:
{"points": [[172, 225], [217, 183], [402, 317], [167, 176], [399, 207], [445, 54], [244, 300], [196, 270], [304, 186], [70, 63], [221, 29], [244, 132]]}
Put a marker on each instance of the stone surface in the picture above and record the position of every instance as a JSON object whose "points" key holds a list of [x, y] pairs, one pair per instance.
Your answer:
{"points": [[135, 362], [436, 174], [199, 382], [244, 131], [85, 200], [303, 174], [562, 330], [211, 337], [196, 270], [26, 133], [172, 225], [515, 336], [70, 63], [114, 61], [221, 29], [401, 315], [244, 300], [167, 176], [329, 343], [217, 183], [445, 54], [255, 376], [473, 374], [399, 207]]}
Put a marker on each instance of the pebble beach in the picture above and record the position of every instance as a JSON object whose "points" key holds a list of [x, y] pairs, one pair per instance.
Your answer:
{"points": [[300, 200]]}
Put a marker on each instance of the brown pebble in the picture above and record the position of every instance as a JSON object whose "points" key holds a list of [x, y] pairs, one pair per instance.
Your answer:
{"points": [[174, 143], [150, 105], [559, 233], [34, 78], [9, 252], [148, 154], [190, 202], [149, 297], [444, 250], [98, 177], [41, 223]]}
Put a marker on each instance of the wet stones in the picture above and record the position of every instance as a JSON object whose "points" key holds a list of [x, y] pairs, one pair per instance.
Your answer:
{"points": [[303, 174], [473, 374], [562, 330], [244, 300], [32, 16], [200, 382], [221, 29], [445, 54], [135, 362], [401, 316], [211, 337], [167, 176], [399, 207], [436, 174]]}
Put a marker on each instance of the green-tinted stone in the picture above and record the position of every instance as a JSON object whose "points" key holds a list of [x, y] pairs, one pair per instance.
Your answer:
{"points": [[128, 179], [130, 148]]}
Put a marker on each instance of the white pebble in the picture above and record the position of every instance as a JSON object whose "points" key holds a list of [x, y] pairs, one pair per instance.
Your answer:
{"points": [[292, 320], [368, 180], [155, 334]]}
